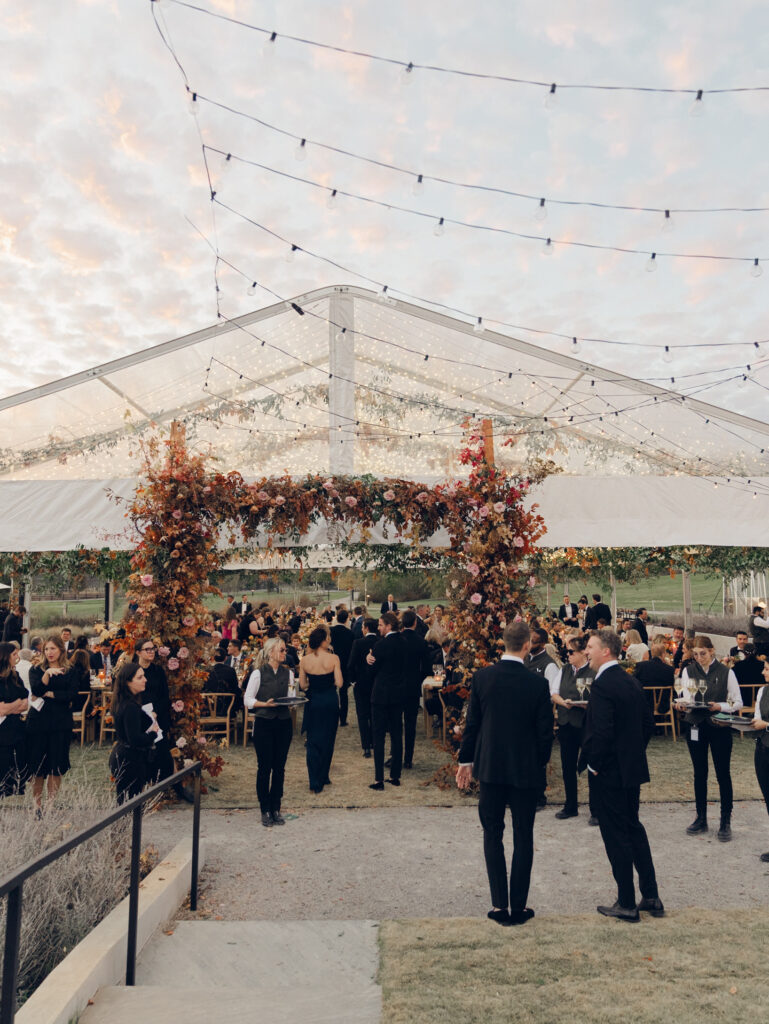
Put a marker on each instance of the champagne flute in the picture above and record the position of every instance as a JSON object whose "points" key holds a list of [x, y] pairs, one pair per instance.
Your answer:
{"points": [[581, 687], [730, 703], [678, 686], [702, 687], [588, 685]]}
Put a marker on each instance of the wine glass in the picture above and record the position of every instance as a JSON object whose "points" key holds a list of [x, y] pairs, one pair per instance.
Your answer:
{"points": [[588, 684], [678, 686], [730, 703], [702, 687], [581, 687], [439, 673]]}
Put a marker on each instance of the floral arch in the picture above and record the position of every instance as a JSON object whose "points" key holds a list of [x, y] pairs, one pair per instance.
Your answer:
{"points": [[186, 516]]}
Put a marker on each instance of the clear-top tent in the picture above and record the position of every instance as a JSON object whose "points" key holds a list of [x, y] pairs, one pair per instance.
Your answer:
{"points": [[344, 381]]}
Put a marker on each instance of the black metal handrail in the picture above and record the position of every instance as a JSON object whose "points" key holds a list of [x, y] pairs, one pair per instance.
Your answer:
{"points": [[12, 885]]}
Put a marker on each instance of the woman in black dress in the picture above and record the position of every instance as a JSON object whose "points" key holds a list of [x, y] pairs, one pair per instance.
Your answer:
{"points": [[320, 675], [135, 732], [13, 704], [156, 693], [49, 723]]}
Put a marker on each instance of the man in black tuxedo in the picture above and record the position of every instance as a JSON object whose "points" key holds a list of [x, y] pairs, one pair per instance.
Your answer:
{"points": [[362, 678], [678, 639], [387, 694], [357, 622], [599, 611], [243, 606], [341, 641], [101, 659], [618, 725], [639, 624], [419, 665], [390, 605], [222, 678], [747, 668], [506, 744], [567, 613], [422, 612], [69, 643]]}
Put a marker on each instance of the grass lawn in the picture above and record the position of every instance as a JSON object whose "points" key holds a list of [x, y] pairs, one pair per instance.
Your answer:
{"points": [[663, 591], [690, 967], [670, 769]]}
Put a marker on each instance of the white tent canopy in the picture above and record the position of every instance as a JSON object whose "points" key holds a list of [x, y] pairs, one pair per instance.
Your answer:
{"points": [[344, 381]]}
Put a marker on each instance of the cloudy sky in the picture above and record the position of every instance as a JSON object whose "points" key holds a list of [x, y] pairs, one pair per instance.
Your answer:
{"points": [[106, 227]]}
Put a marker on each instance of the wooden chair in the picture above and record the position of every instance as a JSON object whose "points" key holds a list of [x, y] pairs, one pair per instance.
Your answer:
{"points": [[217, 721], [443, 723], [107, 724], [80, 718], [754, 688], [248, 724], [667, 719]]}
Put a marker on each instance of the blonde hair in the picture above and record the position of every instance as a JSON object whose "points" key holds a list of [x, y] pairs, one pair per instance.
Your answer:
{"points": [[657, 648], [632, 637], [264, 655]]}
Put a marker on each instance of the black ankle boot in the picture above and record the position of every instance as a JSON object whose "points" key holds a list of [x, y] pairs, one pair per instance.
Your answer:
{"points": [[725, 831], [700, 824]]}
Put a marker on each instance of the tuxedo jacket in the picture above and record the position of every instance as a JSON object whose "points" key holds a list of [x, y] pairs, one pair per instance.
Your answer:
{"points": [[422, 628], [418, 662], [222, 678], [562, 613], [509, 728], [341, 641], [617, 728], [386, 607], [389, 670], [358, 669], [654, 672], [598, 611], [357, 628]]}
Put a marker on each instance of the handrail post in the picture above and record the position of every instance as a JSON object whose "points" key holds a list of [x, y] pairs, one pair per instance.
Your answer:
{"points": [[133, 897], [11, 956], [195, 842]]}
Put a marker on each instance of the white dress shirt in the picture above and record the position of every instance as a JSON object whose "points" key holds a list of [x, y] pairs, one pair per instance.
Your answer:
{"points": [[757, 713], [732, 690], [254, 682]]}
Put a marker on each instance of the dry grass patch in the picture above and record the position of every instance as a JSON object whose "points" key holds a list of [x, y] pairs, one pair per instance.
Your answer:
{"points": [[691, 967], [670, 768]]}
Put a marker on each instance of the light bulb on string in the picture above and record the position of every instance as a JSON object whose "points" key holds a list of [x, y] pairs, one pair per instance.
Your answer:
{"points": [[540, 214], [332, 198], [667, 355], [268, 50], [192, 102], [439, 228], [300, 152], [697, 109], [408, 74], [576, 348], [651, 263], [290, 254], [667, 223], [478, 327], [744, 378], [548, 247], [756, 270], [550, 97], [252, 289], [419, 186]]}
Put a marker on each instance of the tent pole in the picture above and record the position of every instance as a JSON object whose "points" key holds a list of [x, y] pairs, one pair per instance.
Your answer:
{"points": [[25, 599], [687, 586], [613, 583], [109, 603], [341, 390]]}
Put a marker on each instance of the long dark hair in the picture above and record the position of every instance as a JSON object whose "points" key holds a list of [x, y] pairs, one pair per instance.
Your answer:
{"points": [[316, 638], [123, 677], [6, 651]]}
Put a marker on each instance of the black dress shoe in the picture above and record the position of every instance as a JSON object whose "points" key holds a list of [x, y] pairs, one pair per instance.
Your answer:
{"points": [[277, 818], [724, 833], [698, 825], [764, 857], [342, 725], [592, 820], [621, 913], [394, 782], [267, 819], [566, 814], [316, 789], [498, 916], [367, 753], [521, 916], [376, 785], [653, 907]]}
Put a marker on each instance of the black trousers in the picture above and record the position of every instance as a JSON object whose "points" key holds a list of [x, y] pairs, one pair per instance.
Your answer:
{"points": [[569, 737], [719, 742], [344, 703], [625, 840], [492, 807], [272, 738], [410, 716], [363, 711], [761, 762], [387, 718]]}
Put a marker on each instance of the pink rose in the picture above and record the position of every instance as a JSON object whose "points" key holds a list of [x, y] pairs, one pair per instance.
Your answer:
{"points": [[388, 495], [329, 485], [423, 496], [182, 653], [335, 494], [178, 706], [173, 664], [201, 740], [177, 513], [349, 500], [146, 580], [499, 506], [181, 742], [164, 651], [475, 598], [483, 512], [532, 581], [189, 620], [280, 500], [519, 542], [473, 569], [263, 496], [207, 490]]}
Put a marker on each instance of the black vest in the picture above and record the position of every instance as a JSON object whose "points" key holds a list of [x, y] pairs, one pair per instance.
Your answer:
{"points": [[272, 684], [539, 662], [759, 633], [568, 690], [763, 707], [717, 678]]}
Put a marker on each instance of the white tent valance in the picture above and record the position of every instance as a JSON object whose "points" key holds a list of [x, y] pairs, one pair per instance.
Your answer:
{"points": [[579, 511]]}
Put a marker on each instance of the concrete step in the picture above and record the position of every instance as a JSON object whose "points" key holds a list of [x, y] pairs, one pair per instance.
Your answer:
{"points": [[264, 1004]]}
